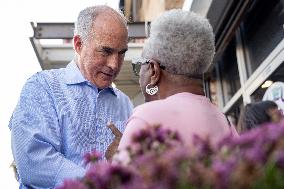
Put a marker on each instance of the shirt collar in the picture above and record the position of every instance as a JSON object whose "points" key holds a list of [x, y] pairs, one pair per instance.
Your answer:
{"points": [[74, 76], [114, 91]]}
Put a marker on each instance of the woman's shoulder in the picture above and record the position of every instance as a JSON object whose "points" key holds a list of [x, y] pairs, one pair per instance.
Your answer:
{"points": [[151, 110], [151, 106]]}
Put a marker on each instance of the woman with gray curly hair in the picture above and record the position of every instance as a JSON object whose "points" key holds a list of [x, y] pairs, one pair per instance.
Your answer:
{"points": [[176, 55]]}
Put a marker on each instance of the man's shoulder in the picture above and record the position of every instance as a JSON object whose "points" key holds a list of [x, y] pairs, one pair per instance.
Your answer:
{"points": [[47, 75], [44, 80]]}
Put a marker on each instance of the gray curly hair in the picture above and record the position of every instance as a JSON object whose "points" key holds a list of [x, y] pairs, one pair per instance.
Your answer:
{"points": [[182, 41], [87, 16]]}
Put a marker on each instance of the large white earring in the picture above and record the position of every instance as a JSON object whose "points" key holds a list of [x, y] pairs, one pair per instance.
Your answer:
{"points": [[151, 90]]}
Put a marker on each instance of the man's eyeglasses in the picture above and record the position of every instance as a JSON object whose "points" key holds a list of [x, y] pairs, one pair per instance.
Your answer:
{"points": [[138, 62]]}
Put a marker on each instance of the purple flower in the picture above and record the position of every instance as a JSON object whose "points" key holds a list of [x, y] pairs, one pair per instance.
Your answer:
{"points": [[255, 154], [159, 159], [156, 139], [221, 170], [72, 184], [279, 159], [106, 175], [141, 136], [92, 157], [247, 138], [202, 146]]}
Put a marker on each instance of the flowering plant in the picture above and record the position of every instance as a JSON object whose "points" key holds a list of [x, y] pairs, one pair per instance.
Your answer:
{"points": [[159, 159]]}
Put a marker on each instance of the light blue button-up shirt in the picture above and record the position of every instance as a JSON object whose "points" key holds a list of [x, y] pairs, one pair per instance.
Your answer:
{"points": [[59, 117]]}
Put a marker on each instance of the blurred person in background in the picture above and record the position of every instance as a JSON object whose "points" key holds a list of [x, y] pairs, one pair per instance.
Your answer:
{"points": [[174, 58], [63, 113], [275, 92], [257, 113]]}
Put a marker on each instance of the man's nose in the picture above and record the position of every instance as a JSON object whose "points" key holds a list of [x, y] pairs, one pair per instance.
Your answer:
{"points": [[114, 61]]}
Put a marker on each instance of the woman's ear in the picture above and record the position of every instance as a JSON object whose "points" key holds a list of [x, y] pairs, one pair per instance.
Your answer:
{"points": [[77, 44], [155, 74]]}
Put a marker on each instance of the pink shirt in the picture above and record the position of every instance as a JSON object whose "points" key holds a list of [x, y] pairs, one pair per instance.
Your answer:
{"points": [[184, 112]]}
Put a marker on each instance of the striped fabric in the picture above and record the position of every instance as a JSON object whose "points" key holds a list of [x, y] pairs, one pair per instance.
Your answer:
{"points": [[59, 117]]}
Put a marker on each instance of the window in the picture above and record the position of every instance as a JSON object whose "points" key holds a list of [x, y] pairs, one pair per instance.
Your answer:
{"points": [[234, 113], [277, 75], [262, 30], [229, 74]]}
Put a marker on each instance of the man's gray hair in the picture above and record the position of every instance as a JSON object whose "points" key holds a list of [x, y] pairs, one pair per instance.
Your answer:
{"points": [[182, 41], [86, 18]]}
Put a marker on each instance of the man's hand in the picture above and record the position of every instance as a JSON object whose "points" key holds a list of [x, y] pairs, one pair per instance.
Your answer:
{"points": [[113, 146]]}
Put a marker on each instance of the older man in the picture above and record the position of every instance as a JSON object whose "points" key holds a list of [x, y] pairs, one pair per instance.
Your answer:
{"points": [[63, 113]]}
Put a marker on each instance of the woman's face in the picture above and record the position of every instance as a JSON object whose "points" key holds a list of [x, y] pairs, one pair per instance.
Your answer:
{"points": [[275, 114]]}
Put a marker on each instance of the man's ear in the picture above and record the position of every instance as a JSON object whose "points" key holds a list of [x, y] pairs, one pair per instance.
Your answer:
{"points": [[156, 73], [77, 44]]}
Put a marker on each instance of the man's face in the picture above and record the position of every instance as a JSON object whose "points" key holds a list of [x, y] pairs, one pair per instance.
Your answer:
{"points": [[101, 56]]}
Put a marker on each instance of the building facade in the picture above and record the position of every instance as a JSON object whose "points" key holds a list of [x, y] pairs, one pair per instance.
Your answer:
{"points": [[249, 50]]}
